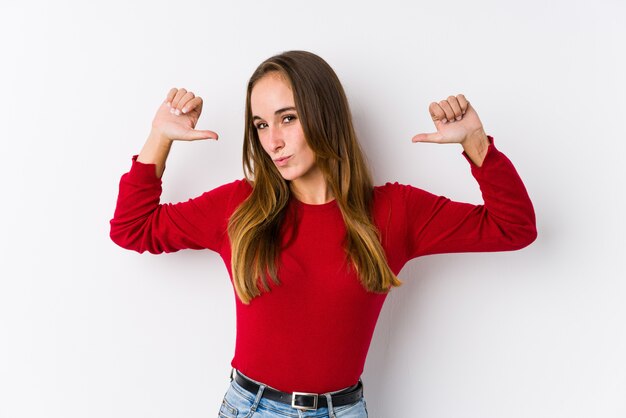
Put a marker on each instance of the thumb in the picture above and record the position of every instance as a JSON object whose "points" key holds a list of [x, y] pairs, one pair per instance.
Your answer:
{"points": [[197, 134], [432, 137]]}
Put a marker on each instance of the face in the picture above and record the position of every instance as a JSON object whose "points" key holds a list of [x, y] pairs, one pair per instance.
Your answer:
{"points": [[279, 129]]}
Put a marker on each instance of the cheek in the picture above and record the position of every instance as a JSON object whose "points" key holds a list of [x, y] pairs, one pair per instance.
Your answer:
{"points": [[309, 157], [264, 143]]}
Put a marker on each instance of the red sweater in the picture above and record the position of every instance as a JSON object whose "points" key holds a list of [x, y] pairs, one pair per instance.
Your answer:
{"points": [[312, 332]]}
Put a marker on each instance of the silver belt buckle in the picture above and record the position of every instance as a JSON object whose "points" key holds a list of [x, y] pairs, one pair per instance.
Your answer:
{"points": [[304, 408]]}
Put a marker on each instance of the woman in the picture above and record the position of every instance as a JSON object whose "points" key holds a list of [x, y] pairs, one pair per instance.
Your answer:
{"points": [[312, 248]]}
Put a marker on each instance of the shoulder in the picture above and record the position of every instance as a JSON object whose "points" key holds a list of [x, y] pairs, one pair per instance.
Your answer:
{"points": [[241, 186], [227, 196], [389, 188], [234, 187], [386, 197], [391, 205], [394, 197], [231, 193], [395, 190]]}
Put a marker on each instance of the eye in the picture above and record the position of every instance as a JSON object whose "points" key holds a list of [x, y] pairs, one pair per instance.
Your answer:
{"points": [[261, 125], [288, 118]]}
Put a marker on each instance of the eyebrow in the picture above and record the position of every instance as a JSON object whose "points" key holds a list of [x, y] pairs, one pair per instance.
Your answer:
{"points": [[278, 112]]}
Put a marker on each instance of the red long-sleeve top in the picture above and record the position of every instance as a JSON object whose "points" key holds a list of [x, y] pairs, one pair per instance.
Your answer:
{"points": [[312, 332]]}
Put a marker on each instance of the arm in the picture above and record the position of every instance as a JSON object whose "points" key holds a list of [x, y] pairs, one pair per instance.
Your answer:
{"points": [[140, 222], [506, 221]]}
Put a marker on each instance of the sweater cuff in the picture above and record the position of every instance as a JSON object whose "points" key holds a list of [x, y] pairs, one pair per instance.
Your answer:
{"points": [[142, 172], [491, 151]]}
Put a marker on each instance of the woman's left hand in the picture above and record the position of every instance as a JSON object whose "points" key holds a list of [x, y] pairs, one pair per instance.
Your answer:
{"points": [[455, 120]]}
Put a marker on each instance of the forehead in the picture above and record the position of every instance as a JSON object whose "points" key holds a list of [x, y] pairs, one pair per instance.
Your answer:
{"points": [[270, 93]]}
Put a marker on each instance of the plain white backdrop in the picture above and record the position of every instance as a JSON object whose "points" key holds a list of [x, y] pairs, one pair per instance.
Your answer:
{"points": [[88, 329]]}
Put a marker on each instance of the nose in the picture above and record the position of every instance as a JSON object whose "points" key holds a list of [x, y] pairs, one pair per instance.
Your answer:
{"points": [[275, 139]]}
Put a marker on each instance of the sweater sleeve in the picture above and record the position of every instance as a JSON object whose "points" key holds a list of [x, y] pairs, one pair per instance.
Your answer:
{"points": [[141, 223], [506, 220]]}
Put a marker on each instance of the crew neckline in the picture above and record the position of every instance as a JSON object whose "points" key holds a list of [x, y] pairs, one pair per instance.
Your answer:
{"points": [[314, 207]]}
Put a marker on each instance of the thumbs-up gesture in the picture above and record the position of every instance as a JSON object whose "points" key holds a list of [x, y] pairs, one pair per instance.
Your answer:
{"points": [[455, 120], [178, 115]]}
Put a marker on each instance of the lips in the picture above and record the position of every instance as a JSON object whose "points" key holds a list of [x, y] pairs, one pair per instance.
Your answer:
{"points": [[282, 161]]}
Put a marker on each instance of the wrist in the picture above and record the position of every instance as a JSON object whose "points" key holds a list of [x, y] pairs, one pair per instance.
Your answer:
{"points": [[155, 151], [476, 146], [159, 139]]}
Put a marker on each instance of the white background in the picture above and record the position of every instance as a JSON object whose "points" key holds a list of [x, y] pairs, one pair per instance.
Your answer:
{"points": [[88, 329]]}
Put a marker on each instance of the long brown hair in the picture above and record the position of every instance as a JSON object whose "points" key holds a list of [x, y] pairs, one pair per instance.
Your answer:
{"points": [[254, 228]]}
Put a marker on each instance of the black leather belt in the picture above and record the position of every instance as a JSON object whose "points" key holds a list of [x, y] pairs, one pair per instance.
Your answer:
{"points": [[301, 400]]}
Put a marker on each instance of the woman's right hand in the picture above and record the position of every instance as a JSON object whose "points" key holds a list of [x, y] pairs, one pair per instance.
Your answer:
{"points": [[178, 115]]}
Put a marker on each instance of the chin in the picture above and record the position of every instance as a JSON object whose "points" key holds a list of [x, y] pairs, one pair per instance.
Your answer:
{"points": [[289, 178], [287, 175]]}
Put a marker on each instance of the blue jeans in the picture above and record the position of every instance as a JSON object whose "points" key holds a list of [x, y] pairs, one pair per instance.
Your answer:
{"points": [[239, 403]]}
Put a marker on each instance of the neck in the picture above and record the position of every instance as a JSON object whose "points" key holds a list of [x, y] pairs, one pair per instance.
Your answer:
{"points": [[312, 191]]}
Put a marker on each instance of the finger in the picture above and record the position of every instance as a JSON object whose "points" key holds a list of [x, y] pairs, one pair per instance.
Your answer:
{"points": [[462, 102], [170, 96], [179, 95], [436, 112], [194, 134], [177, 109], [447, 109], [184, 100], [432, 137], [456, 107], [195, 103]]}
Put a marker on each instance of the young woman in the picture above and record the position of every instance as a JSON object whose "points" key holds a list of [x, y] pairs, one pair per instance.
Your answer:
{"points": [[311, 246]]}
